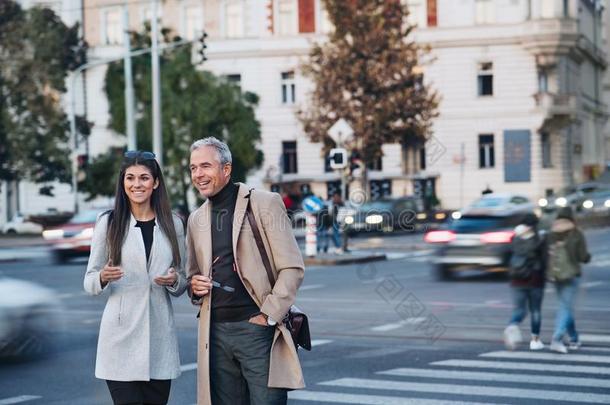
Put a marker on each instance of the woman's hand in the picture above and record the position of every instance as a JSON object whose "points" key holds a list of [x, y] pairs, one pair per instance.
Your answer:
{"points": [[201, 285], [169, 279], [110, 273]]}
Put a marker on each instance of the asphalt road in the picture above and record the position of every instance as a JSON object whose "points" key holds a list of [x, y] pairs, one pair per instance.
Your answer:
{"points": [[384, 333]]}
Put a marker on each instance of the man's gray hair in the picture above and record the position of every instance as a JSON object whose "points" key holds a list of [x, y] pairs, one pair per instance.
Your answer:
{"points": [[221, 147]]}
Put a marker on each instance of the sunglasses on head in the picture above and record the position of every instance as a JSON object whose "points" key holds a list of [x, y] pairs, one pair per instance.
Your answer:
{"points": [[139, 154]]}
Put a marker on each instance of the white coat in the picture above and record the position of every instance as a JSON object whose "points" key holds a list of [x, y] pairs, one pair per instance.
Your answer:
{"points": [[137, 340]]}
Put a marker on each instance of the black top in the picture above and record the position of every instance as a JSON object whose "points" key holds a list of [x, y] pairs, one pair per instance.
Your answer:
{"points": [[230, 300], [147, 228]]}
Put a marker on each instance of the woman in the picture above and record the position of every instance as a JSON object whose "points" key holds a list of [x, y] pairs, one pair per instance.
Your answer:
{"points": [[137, 256], [567, 250], [527, 267]]}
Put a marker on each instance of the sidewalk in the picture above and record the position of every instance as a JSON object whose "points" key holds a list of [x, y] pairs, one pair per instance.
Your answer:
{"points": [[351, 257]]}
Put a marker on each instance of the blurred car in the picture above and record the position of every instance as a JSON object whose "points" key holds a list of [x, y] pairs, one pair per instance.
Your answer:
{"points": [[73, 239], [572, 196], [480, 238], [20, 225], [28, 317], [597, 202], [503, 201], [385, 215]]}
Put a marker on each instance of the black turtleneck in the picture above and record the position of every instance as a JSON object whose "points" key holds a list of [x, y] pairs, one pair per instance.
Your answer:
{"points": [[230, 301]]}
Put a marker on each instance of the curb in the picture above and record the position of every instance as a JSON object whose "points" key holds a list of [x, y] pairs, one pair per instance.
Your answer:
{"points": [[339, 260]]}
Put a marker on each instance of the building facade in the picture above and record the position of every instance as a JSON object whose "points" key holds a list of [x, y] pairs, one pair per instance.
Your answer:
{"points": [[521, 82]]}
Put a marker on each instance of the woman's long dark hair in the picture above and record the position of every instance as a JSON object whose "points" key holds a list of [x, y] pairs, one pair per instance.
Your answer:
{"points": [[121, 215]]}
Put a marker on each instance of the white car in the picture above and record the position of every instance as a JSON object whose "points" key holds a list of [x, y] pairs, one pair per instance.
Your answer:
{"points": [[502, 201], [19, 225], [29, 319]]}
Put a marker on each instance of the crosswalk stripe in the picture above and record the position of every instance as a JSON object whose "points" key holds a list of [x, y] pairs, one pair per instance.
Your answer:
{"points": [[512, 365], [319, 342], [500, 377], [19, 399], [477, 390], [341, 398], [585, 358], [397, 325], [595, 338]]}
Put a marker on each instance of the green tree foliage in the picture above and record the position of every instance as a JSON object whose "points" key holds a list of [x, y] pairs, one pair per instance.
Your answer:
{"points": [[369, 73], [36, 52], [195, 104]]}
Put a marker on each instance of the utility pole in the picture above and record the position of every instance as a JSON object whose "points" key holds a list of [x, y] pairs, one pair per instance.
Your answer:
{"points": [[156, 86], [129, 97]]}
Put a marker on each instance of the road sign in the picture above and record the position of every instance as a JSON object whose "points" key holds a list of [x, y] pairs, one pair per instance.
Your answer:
{"points": [[312, 204], [338, 158], [341, 132]]}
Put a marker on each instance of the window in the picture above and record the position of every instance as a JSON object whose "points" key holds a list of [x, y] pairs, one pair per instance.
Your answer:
{"points": [[234, 19], [376, 165], [289, 157], [543, 81], [484, 11], [286, 17], [112, 27], [422, 158], [234, 79], [485, 79], [146, 14], [288, 88], [307, 16], [486, 151], [193, 22], [545, 147], [417, 12], [431, 12]]}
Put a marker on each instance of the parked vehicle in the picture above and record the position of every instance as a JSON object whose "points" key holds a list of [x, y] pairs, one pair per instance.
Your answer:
{"points": [[503, 201], [28, 318], [20, 225], [73, 239], [597, 202], [573, 196], [385, 215], [480, 238]]}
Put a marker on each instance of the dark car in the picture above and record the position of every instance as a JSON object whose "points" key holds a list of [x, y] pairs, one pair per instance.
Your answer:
{"points": [[479, 239], [385, 215], [73, 239]]}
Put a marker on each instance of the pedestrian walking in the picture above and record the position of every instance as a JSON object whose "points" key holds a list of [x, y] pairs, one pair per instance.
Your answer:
{"points": [[245, 353], [323, 225], [567, 250], [336, 225], [526, 271], [137, 258]]}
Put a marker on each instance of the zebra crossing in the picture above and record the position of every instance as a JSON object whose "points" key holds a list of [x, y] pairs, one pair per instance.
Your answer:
{"points": [[492, 378]]}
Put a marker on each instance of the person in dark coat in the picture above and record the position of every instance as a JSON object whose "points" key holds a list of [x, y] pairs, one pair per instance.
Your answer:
{"points": [[527, 268]]}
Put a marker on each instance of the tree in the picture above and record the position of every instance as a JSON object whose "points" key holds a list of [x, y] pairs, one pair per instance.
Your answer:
{"points": [[369, 73], [36, 52], [195, 104]]}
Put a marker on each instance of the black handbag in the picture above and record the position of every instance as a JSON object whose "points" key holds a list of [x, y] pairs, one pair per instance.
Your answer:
{"points": [[295, 320]]}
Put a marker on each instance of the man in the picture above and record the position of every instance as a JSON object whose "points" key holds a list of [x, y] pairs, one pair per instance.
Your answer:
{"points": [[245, 354]]}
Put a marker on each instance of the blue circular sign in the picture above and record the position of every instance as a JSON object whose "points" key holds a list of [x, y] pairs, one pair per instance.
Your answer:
{"points": [[312, 204]]}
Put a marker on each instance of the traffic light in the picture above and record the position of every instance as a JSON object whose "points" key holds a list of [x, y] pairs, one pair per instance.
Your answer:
{"points": [[338, 158], [82, 162], [202, 47], [356, 165]]}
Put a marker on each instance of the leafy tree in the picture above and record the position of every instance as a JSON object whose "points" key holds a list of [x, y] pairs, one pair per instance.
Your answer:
{"points": [[195, 104], [369, 73], [36, 52]]}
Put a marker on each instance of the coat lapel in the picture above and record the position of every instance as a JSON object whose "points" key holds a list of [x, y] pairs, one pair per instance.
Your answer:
{"points": [[206, 239], [239, 213]]}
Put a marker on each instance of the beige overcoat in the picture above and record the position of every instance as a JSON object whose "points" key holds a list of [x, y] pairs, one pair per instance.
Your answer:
{"points": [[288, 268]]}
